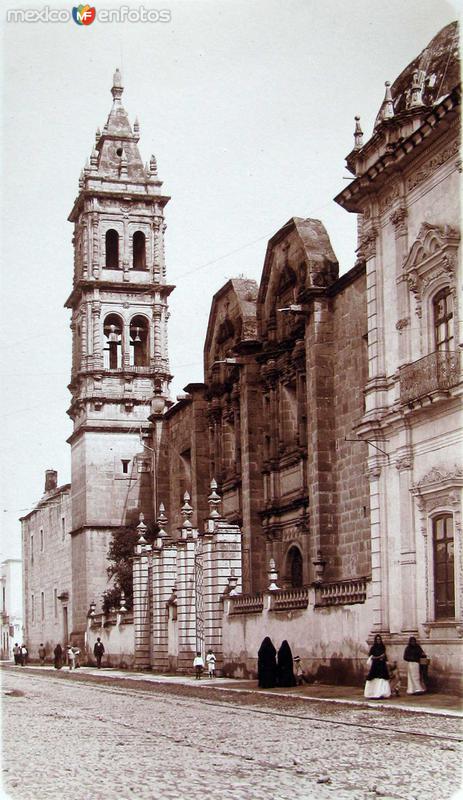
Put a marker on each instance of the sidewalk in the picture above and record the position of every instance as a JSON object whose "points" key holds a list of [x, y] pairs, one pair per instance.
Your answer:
{"points": [[436, 704]]}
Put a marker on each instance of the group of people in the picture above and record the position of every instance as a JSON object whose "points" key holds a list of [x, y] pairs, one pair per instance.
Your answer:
{"points": [[20, 654], [198, 664], [277, 669], [383, 679]]}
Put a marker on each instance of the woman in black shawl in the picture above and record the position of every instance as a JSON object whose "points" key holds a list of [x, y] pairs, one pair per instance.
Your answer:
{"points": [[377, 683], [413, 653], [58, 653], [267, 664], [285, 672]]}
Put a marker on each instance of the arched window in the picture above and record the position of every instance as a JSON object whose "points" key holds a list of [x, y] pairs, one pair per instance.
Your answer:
{"points": [[294, 567], [443, 320], [139, 351], [444, 571], [113, 342], [112, 249], [139, 250]]}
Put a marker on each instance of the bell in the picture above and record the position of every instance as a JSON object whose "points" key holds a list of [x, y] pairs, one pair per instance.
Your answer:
{"points": [[136, 338], [113, 335]]}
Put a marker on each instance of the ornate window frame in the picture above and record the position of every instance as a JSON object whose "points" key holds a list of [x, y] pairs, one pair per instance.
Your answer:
{"points": [[440, 492], [430, 266]]}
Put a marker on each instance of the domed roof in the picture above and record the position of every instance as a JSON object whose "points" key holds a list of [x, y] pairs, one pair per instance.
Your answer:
{"points": [[436, 70]]}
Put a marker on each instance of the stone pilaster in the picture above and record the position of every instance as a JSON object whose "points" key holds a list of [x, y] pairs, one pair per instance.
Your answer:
{"points": [[141, 606], [407, 543], [186, 603]]}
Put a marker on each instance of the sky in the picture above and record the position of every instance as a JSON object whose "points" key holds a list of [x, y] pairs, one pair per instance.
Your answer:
{"points": [[249, 108]]}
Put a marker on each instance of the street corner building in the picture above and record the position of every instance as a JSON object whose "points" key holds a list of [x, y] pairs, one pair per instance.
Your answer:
{"points": [[310, 488]]}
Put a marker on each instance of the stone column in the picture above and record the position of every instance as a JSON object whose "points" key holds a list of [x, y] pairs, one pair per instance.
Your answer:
{"points": [[157, 249], [407, 543], [97, 352], [186, 601], [95, 253], [84, 335], [142, 599], [399, 220], [379, 555]]}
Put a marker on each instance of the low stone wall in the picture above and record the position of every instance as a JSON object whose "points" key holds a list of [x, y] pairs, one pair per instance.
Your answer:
{"points": [[116, 632], [330, 641]]}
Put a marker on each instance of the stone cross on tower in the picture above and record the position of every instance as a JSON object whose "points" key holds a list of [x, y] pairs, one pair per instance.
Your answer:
{"points": [[119, 343]]}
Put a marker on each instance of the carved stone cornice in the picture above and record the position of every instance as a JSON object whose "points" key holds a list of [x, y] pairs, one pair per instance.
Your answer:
{"points": [[436, 161]]}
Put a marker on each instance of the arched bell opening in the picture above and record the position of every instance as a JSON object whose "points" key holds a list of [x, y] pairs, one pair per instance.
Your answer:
{"points": [[112, 351], [139, 250], [112, 249], [139, 351]]}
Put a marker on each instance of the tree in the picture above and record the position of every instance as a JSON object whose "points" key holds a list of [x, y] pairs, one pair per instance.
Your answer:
{"points": [[120, 556]]}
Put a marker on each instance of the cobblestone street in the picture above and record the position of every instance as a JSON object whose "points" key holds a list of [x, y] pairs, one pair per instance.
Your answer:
{"points": [[66, 738]]}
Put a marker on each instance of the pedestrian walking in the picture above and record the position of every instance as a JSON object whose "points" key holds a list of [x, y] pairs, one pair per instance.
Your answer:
{"points": [[285, 670], [17, 653], [42, 653], [98, 651], [377, 684], [198, 665], [24, 655], [413, 655], [210, 661], [71, 658], [267, 664], [58, 656]]}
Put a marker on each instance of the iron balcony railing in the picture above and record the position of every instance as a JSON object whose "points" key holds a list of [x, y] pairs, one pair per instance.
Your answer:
{"points": [[438, 371]]}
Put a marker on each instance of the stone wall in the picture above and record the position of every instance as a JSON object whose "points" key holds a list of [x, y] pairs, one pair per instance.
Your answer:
{"points": [[116, 632], [47, 578], [351, 486]]}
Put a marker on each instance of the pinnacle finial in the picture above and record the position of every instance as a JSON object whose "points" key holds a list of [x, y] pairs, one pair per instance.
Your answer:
{"points": [[358, 134], [388, 105], [416, 94], [117, 87]]}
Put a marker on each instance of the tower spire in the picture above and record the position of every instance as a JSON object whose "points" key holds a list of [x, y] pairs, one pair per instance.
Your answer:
{"points": [[117, 87]]}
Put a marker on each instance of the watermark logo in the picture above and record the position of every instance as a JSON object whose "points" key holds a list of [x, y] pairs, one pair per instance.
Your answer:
{"points": [[83, 15]]}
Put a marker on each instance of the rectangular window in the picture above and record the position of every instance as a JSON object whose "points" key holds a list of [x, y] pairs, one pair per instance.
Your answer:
{"points": [[42, 606], [63, 528], [41, 540], [32, 548], [32, 608], [125, 466], [55, 602], [444, 569]]}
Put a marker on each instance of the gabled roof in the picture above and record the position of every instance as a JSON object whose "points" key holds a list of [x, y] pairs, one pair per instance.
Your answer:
{"points": [[244, 290]]}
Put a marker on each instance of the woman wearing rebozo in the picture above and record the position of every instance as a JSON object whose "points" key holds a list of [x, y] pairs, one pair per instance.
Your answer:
{"points": [[377, 683], [413, 655]]}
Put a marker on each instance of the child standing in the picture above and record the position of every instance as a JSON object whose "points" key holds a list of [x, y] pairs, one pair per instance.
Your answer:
{"points": [[198, 665], [394, 678], [210, 661]]}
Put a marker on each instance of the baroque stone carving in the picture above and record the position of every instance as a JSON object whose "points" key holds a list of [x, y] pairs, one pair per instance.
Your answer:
{"points": [[398, 218], [433, 164], [439, 475], [402, 323]]}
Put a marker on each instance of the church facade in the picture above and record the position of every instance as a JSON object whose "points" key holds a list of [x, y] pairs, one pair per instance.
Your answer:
{"points": [[329, 415]]}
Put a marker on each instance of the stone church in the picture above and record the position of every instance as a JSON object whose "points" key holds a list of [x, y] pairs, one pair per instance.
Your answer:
{"points": [[329, 419]]}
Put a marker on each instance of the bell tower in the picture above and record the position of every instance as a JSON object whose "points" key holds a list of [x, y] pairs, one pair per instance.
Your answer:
{"points": [[119, 346]]}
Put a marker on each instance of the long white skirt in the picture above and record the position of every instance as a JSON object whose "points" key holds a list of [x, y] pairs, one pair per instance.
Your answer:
{"points": [[378, 687], [414, 684]]}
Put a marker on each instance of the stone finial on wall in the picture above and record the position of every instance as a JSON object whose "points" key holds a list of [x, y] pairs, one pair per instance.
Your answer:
{"points": [[272, 576], [214, 501]]}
